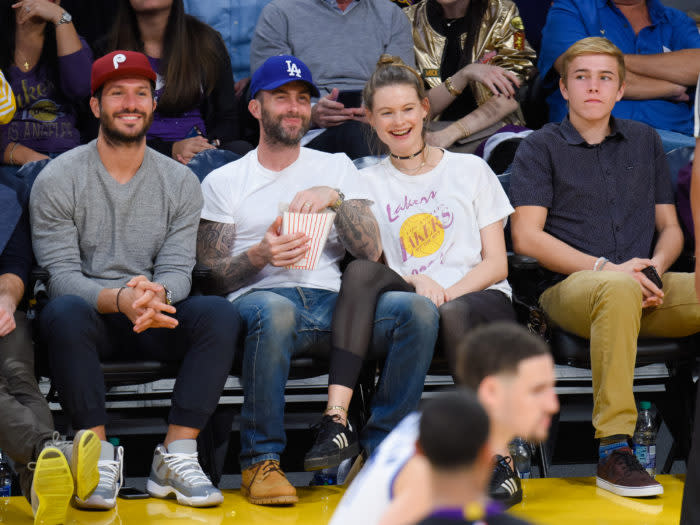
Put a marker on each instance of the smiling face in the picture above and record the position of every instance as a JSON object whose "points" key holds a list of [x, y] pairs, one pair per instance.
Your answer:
{"points": [[284, 113], [397, 116], [592, 87], [125, 109]]}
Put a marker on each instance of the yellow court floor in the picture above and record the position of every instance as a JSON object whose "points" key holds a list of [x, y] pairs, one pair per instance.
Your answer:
{"points": [[560, 501]]}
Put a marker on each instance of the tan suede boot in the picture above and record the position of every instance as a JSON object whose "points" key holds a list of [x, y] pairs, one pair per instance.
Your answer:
{"points": [[264, 483]]}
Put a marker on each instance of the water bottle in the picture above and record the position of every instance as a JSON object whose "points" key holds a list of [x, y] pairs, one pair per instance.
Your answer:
{"points": [[520, 452], [326, 476], [5, 478], [644, 438]]}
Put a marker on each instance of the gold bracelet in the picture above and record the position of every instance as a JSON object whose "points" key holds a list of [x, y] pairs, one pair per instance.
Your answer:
{"points": [[453, 91], [465, 129], [12, 153]]}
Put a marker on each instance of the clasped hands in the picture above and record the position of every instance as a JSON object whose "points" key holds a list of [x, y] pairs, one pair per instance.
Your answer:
{"points": [[143, 302]]}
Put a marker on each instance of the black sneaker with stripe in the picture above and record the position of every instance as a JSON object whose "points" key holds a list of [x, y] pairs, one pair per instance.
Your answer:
{"points": [[505, 484], [334, 443]]}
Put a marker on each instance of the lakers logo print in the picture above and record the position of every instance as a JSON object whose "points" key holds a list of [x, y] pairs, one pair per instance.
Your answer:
{"points": [[421, 235]]}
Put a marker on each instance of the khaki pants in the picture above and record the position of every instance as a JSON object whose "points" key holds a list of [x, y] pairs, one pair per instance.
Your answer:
{"points": [[606, 307]]}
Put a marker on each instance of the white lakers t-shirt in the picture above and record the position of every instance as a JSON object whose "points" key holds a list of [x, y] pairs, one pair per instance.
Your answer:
{"points": [[430, 223], [370, 493], [249, 195]]}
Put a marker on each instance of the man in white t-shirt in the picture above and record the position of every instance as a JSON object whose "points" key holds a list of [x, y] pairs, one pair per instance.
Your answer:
{"points": [[287, 311], [512, 372]]}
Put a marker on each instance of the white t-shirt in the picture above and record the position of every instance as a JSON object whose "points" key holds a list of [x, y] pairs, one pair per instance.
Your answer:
{"points": [[250, 196], [371, 492], [430, 223]]}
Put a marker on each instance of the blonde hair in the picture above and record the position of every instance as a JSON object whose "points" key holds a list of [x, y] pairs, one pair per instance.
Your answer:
{"points": [[391, 70], [593, 45]]}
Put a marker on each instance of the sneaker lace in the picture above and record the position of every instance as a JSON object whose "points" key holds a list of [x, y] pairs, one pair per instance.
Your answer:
{"points": [[187, 467], [111, 471], [502, 471], [325, 428], [631, 462]]}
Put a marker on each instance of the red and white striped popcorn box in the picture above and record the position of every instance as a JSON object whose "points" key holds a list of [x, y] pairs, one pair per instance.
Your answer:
{"points": [[315, 225]]}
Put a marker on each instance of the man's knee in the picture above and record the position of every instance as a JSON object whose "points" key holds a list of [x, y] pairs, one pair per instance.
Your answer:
{"points": [[617, 288], [414, 310]]}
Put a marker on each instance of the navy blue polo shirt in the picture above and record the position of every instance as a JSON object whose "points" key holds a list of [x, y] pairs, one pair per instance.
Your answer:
{"points": [[671, 30], [600, 198]]}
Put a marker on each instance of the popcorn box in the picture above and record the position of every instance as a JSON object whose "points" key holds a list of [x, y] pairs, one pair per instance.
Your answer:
{"points": [[315, 225]]}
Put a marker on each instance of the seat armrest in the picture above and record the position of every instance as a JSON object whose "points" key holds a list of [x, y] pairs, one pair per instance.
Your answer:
{"points": [[517, 261]]}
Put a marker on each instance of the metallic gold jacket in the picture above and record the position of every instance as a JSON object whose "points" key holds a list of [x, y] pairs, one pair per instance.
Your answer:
{"points": [[501, 42]]}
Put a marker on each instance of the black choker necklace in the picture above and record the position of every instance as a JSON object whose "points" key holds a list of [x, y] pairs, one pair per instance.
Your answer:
{"points": [[407, 157]]}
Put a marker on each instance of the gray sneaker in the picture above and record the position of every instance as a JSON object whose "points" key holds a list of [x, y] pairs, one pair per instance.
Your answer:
{"points": [[176, 472], [111, 469], [82, 454]]}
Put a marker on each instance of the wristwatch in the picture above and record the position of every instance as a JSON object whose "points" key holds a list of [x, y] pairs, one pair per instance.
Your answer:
{"points": [[168, 296], [65, 19], [341, 198]]}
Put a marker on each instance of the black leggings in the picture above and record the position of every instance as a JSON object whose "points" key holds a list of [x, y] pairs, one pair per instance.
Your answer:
{"points": [[363, 283]]}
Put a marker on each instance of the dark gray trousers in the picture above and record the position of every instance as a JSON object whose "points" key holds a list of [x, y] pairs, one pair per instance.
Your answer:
{"points": [[26, 422]]}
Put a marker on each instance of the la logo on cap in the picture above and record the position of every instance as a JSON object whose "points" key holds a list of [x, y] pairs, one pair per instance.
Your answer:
{"points": [[293, 69], [118, 59]]}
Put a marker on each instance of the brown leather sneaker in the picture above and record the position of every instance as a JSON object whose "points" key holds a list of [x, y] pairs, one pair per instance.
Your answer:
{"points": [[622, 474], [265, 484]]}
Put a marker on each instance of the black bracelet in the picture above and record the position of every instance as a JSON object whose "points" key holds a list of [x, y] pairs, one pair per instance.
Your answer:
{"points": [[119, 293]]}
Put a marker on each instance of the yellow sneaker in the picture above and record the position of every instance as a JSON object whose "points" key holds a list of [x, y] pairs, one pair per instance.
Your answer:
{"points": [[52, 487]]}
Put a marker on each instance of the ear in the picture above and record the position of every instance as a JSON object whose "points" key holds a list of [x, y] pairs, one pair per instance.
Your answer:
{"points": [[620, 92], [563, 89], [155, 103], [488, 393], [95, 107], [254, 108], [425, 104]]}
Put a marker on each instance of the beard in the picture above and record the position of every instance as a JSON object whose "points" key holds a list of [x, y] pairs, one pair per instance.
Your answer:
{"points": [[275, 133], [115, 136]]}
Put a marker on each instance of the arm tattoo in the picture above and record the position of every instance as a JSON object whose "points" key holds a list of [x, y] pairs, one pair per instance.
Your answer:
{"points": [[214, 246], [358, 229]]}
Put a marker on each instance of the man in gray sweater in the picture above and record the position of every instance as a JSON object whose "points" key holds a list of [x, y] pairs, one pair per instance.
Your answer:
{"points": [[340, 41], [115, 225]]}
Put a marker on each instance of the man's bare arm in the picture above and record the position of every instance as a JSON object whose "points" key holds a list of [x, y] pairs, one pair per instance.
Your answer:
{"points": [[358, 229], [680, 67], [214, 246]]}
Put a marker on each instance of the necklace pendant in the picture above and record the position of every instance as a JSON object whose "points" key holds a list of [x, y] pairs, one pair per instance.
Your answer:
{"points": [[26, 65]]}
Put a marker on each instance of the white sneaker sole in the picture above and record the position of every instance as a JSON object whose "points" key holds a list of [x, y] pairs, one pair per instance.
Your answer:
{"points": [[166, 491], [630, 492]]}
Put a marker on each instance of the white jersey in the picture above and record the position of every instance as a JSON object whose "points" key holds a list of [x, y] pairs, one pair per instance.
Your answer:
{"points": [[370, 494]]}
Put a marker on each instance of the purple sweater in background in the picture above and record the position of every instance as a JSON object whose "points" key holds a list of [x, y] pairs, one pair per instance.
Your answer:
{"points": [[46, 119], [172, 128]]}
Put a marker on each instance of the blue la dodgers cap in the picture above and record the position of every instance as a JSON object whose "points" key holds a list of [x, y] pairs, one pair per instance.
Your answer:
{"points": [[279, 70]]}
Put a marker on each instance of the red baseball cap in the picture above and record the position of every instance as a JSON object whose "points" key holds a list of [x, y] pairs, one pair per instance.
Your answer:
{"points": [[120, 64]]}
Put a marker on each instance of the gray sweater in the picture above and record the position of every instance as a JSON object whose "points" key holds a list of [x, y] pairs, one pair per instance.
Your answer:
{"points": [[90, 232], [341, 50]]}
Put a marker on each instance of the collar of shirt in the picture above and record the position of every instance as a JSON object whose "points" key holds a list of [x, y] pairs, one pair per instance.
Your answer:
{"points": [[333, 4], [657, 12], [573, 137]]}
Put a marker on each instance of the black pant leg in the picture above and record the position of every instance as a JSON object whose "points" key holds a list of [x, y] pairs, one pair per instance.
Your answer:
{"points": [[690, 507], [352, 138], [459, 316]]}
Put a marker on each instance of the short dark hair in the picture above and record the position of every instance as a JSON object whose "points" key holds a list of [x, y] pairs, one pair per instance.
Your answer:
{"points": [[496, 348], [453, 429]]}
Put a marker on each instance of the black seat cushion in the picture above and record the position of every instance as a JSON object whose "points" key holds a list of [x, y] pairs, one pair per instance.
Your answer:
{"points": [[569, 349]]}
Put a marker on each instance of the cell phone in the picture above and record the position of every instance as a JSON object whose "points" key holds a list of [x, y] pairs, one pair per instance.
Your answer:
{"points": [[653, 276], [132, 493], [194, 132], [350, 99]]}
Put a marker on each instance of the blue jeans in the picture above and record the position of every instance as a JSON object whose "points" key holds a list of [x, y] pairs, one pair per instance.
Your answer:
{"points": [[280, 323], [672, 139]]}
